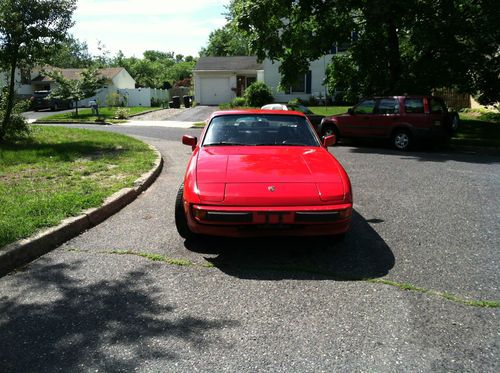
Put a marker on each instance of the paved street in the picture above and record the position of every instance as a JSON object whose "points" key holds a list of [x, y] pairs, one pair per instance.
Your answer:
{"points": [[429, 220]]}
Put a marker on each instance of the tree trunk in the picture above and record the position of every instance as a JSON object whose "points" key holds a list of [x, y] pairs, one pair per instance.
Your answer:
{"points": [[76, 108], [10, 100], [394, 56]]}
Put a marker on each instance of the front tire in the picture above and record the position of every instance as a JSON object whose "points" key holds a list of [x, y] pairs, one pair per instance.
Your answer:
{"points": [[401, 140], [180, 216]]}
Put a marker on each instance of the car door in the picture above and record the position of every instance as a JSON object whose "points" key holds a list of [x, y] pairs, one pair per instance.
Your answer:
{"points": [[385, 117], [359, 123]]}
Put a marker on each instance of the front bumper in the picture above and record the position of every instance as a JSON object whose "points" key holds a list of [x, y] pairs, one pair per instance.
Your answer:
{"points": [[269, 221]]}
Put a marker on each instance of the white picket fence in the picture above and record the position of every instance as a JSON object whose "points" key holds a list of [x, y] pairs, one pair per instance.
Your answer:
{"points": [[129, 96]]}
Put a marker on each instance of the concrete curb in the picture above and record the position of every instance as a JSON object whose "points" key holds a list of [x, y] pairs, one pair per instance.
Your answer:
{"points": [[80, 122], [24, 251]]}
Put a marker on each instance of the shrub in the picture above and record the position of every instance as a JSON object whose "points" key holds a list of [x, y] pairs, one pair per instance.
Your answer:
{"points": [[313, 101], [113, 99], [296, 101], [258, 94], [238, 102], [17, 127], [122, 113]]}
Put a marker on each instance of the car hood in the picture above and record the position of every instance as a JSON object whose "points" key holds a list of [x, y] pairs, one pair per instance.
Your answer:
{"points": [[256, 175]]}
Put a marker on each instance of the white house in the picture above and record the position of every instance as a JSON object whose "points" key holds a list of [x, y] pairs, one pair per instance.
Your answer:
{"points": [[220, 79], [118, 80]]}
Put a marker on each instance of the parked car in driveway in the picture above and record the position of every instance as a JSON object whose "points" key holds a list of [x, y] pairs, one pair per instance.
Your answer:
{"points": [[262, 172], [315, 119], [405, 120], [40, 100]]}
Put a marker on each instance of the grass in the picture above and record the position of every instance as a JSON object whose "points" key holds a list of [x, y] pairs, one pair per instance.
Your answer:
{"points": [[85, 114], [329, 110], [59, 172], [474, 130]]}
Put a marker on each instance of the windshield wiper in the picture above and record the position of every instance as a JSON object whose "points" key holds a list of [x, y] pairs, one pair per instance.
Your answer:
{"points": [[224, 143]]}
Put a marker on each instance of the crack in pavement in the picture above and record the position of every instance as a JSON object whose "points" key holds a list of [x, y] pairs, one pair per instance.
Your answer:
{"points": [[400, 285]]}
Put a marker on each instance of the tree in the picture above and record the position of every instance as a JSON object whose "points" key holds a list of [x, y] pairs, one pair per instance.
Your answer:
{"points": [[156, 67], [396, 47], [89, 83], [70, 53], [28, 30], [227, 41]]}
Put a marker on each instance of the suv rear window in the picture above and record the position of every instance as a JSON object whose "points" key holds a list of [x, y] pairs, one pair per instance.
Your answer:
{"points": [[436, 106], [414, 105], [388, 106]]}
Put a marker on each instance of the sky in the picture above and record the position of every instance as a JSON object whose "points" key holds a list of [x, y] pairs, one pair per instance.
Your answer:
{"points": [[134, 26]]}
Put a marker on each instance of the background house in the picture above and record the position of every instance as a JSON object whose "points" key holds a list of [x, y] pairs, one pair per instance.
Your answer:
{"points": [[218, 80], [118, 80]]}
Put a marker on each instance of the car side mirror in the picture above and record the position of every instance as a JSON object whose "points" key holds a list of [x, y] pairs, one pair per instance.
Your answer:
{"points": [[190, 140], [329, 140], [350, 111]]}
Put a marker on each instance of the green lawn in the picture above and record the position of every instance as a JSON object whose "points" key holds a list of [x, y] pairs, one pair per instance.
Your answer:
{"points": [[476, 132], [85, 114], [329, 110], [59, 172]]}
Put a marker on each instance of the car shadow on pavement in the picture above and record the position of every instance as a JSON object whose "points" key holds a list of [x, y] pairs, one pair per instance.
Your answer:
{"points": [[56, 321], [363, 254]]}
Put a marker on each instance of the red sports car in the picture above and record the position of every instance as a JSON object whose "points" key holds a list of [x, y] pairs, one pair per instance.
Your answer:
{"points": [[262, 172]]}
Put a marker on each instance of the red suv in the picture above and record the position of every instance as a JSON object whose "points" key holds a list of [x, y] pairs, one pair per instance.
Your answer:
{"points": [[404, 120]]}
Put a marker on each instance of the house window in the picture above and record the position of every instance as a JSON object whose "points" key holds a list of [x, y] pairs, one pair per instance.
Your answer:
{"points": [[300, 84]]}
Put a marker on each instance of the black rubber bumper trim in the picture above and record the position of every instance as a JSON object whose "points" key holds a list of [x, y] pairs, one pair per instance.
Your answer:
{"points": [[320, 216], [229, 217]]}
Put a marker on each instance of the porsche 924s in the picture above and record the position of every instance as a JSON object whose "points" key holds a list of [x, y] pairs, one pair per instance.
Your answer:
{"points": [[261, 173]]}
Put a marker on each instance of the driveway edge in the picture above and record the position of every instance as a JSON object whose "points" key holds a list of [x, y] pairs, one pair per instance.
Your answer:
{"points": [[22, 252]]}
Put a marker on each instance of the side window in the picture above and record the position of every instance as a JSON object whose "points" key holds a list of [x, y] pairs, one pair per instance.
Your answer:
{"points": [[436, 106], [365, 107], [388, 106], [414, 106]]}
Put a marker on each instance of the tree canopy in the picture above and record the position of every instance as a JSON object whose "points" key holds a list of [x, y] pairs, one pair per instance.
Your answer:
{"points": [[156, 67], [395, 47], [227, 41], [28, 31], [89, 82]]}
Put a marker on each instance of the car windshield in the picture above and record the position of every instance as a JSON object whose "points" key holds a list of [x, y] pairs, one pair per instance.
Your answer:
{"points": [[259, 130]]}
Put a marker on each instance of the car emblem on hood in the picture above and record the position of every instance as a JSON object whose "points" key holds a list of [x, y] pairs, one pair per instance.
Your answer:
{"points": [[271, 188]]}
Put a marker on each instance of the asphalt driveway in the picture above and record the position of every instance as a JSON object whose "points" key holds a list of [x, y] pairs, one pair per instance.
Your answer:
{"points": [[131, 294]]}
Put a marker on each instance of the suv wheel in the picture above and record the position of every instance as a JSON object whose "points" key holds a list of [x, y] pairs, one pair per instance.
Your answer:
{"points": [[401, 140]]}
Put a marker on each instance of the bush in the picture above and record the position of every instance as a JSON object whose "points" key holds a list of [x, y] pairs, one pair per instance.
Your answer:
{"points": [[258, 94], [238, 102], [122, 113], [313, 101], [113, 99], [156, 102], [17, 127], [296, 101]]}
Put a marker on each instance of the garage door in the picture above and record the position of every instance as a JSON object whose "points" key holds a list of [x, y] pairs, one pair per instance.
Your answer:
{"points": [[215, 91]]}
